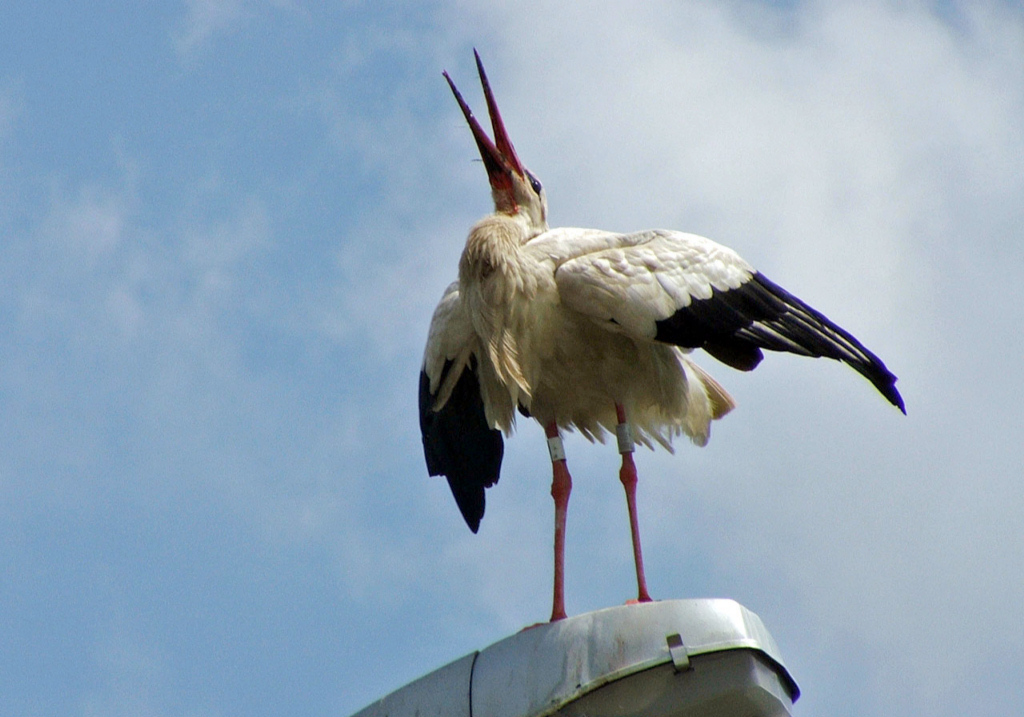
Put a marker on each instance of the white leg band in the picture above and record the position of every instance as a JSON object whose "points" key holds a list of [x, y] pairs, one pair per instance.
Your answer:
{"points": [[625, 435], [556, 449]]}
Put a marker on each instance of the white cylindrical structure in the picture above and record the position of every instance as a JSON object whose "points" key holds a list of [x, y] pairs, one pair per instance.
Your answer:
{"points": [[673, 658]]}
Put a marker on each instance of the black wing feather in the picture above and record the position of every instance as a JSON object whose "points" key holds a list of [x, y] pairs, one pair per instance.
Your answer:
{"points": [[735, 325], [458, 443]]}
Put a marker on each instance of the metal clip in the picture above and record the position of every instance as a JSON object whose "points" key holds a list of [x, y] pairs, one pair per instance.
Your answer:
{"points": [[677, 650]]}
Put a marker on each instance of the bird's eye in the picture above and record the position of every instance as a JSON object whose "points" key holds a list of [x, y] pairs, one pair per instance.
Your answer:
{"points": [[535, 183]]}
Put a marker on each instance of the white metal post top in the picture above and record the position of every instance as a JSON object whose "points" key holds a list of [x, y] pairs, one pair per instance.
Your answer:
{"points": [[673, 658]]}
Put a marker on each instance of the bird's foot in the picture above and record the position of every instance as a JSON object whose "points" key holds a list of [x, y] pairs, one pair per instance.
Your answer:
{"points": [[539, 624], [637, 601]]}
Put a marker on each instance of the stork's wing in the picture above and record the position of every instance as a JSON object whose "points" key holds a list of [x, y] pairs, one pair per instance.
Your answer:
{"points": [[458, 443], [689, 291]]}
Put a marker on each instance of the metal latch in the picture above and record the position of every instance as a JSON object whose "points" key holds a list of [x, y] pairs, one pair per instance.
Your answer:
{"points": [[677, 650]]}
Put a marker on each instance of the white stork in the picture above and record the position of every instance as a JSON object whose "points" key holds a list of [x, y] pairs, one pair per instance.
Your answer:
{"points": [[587, 329]]}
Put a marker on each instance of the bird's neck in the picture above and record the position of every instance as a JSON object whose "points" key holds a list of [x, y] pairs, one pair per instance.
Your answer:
{"points": [[493, 245]]}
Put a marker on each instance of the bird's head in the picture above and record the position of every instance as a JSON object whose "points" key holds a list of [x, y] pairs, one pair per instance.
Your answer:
{"points": [[517, 193]]}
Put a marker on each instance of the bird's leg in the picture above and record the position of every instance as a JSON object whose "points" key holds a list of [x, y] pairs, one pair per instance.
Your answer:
{"points": [[627, 475], [561, 486]]}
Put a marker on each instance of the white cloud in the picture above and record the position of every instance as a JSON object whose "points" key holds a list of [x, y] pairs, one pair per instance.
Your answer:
{"points": [[207, 19], [134, 679], [10, 108], [864, 155]]}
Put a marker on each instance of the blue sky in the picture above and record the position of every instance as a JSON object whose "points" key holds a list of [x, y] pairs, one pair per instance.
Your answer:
{"points": [[225, 224]]}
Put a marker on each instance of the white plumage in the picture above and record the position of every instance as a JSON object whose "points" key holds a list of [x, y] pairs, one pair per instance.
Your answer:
{"points": [[567, 320], [590, 330]]}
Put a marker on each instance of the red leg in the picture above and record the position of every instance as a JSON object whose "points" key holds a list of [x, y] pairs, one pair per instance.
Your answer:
{"points": [[628, 477], [561, 486]]}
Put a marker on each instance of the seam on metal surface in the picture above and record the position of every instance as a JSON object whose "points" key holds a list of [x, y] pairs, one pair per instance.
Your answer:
{"points": [[472, 673]]}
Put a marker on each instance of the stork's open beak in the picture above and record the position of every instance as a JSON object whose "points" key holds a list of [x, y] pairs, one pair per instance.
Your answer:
{"points": [[499, 156]]}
